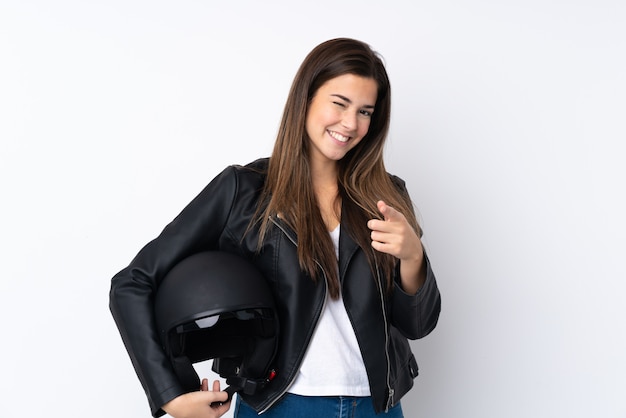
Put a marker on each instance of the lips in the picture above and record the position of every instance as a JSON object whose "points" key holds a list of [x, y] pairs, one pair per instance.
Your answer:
{"points": [[338, 136]]}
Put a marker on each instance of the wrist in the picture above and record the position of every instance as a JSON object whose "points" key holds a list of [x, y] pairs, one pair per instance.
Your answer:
{"points": [[412, 274]]}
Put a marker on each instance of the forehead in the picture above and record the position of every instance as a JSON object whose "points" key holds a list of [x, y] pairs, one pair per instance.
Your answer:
{"points": [[358, 89]]}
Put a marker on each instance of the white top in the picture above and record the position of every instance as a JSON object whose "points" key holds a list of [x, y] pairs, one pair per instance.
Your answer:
{"points": [[332, 365]]}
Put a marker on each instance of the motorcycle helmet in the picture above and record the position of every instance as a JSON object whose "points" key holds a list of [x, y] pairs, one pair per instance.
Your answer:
{"points": [[217, 305]]}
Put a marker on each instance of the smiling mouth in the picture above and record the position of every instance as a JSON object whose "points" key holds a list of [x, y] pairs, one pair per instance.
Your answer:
{"points": [[338, 136]]}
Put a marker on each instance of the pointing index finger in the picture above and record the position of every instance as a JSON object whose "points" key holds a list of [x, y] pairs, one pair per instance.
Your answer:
{"points": [[389, 213]]}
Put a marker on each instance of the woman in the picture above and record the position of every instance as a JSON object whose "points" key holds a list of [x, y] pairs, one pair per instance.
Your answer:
{"points": [[334, 234]]}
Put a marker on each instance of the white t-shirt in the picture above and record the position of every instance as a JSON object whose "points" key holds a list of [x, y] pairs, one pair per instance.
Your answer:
{"points": [[332, 365]]}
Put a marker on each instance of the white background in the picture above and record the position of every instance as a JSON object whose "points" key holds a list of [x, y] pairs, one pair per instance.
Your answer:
{"points": [[508, 126]]}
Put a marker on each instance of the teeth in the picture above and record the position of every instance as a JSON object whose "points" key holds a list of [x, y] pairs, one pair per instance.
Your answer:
{"points": [[338, 136]]}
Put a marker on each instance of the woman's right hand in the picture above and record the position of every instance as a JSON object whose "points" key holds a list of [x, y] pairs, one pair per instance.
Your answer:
{"points": [[198, 404]]}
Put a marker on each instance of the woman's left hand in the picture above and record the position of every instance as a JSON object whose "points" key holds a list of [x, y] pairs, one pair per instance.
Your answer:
{"points": [[395, 236]]}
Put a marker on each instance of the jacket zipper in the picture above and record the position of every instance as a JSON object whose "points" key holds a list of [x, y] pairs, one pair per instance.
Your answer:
{"points": [[280, 395], [390, 390]]}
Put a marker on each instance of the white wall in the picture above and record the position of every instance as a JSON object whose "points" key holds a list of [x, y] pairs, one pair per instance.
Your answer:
{"points": [[508, 125]]}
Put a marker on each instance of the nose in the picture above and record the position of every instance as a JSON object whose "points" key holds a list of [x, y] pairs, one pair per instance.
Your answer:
{"points": [[349, 120]]}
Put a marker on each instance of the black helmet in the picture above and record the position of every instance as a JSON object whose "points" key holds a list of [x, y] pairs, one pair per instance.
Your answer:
{"points": [[217, 305]]}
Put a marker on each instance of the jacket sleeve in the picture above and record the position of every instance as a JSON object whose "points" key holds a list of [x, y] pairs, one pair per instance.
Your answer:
{"points": [[415, 316], [198, 227]]}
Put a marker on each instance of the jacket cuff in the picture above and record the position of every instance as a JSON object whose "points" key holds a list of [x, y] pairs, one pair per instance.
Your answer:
{"points": [[415, 316], [163, 398]]}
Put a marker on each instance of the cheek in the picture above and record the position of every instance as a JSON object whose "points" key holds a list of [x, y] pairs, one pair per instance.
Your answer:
{"points": [[311, 123], [316, 119], [364, 127]]}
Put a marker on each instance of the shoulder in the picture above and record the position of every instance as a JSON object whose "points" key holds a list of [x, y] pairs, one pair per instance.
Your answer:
{"points": [[399, 183], [251, 175], [259, 165], [256, 167]]}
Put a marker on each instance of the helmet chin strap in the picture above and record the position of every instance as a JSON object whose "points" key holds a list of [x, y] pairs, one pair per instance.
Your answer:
{"points": [[243, 384], [186, 373], [246, 385], [230, 390], [190, 381]]}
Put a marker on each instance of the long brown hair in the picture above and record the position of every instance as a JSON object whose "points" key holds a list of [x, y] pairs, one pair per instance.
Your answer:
{"points": [[362, 178]]}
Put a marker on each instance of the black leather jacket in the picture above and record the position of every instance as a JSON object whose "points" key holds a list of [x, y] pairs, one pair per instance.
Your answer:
{"points": [[217, 219]]}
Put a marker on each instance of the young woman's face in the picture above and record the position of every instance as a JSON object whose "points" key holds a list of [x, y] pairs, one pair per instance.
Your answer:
{"points": [[339, 116]]}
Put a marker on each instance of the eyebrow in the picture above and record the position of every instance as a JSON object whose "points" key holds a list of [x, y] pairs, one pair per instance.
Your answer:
{"points": [[350, 101]]}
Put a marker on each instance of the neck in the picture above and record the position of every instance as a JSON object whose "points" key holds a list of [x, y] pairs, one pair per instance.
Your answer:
{"points": [[325, 187], [324, 176]]}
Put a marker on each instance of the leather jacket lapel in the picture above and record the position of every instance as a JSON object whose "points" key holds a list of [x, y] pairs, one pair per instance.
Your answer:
{"points": [[347, 248]]}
